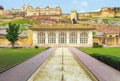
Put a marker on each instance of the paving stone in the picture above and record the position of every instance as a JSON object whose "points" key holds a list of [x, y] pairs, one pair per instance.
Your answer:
{"points": [[52, 69]]}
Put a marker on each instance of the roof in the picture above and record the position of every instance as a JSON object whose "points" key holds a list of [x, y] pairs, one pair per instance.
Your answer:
{"points": [[61, 27], [109, 29], [98, 33]]}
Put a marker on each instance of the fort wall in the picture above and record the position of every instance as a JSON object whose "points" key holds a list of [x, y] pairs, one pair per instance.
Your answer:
{"points": [[56, 13], [103, 13]]}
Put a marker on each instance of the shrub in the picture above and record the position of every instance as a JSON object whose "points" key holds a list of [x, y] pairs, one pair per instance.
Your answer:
{"points": [[47, 48], [108, 59], [36, 47], [96, 45]]}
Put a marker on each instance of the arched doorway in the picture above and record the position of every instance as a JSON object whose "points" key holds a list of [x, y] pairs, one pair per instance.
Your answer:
{"points": [[51, 38], [73, 38], [83, 38], [62, 38], [41, 38]]}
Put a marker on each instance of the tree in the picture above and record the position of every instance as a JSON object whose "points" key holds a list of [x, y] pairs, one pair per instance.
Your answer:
{"points": [[13, 33]]}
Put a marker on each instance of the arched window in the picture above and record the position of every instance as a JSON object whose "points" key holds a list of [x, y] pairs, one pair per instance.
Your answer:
{"points": [[51, 38], [62, 37], [41, 38], [116, 36], [73, 38], [110, 35], [84, 38]]}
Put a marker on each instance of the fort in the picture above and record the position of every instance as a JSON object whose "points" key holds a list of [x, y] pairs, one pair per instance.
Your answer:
{"points": [[57, 28], [104, 12], [56, 13]]}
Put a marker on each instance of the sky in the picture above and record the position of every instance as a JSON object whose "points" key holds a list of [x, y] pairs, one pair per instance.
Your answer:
{"points": [[66, 5]]}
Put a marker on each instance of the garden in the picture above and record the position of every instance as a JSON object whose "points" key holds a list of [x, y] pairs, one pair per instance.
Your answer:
{"points": [[110, 56], [11, 57]]}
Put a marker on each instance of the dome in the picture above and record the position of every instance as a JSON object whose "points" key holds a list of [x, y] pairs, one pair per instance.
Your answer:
{"points": [[1, 7]]}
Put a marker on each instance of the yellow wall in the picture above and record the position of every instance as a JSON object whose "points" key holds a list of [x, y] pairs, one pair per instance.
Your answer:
{"points": [[97, 40], [4, 41], [110, 39], [105, 12], [30, 36], [22, 41]]}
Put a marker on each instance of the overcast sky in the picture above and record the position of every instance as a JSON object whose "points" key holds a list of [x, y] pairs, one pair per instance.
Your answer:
{"points": [[66, 5]]}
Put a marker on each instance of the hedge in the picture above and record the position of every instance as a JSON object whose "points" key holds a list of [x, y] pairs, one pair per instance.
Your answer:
{"points": [[108, 59], [96, 45]]}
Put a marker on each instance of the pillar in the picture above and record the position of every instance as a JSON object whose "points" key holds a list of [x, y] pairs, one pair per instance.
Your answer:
{"points": [[46, 37], [57, 37], [35, 37], [90, 38], [78, 37], [67, 39]]}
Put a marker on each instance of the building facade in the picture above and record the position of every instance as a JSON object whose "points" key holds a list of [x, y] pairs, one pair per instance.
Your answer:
{"points": [[30, 11], [108, 39], [61, 36]]}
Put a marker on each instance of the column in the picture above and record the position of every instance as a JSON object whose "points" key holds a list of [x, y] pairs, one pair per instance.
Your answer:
{"points": [[78, 37], [57, 37], [35, 37], [46, 37], [90, 38], [68, 37]]}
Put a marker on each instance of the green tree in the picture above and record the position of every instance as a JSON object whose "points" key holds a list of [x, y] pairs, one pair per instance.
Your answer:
{"points": [[13, 33]]}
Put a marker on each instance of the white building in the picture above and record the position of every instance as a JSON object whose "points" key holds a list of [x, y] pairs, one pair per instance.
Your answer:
{"points": [[61, 35]]}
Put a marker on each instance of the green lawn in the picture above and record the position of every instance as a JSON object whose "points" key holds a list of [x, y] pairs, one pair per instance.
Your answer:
{"points": [[105, 51], [110, 56], [10, 57]]}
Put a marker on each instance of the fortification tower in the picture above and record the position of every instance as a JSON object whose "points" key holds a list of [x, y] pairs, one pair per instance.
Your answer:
{"points": [[74, 15]]}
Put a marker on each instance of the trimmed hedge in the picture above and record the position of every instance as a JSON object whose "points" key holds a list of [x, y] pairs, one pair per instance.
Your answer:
{"points": [[96, 45], [108, 59], [36, 47]]}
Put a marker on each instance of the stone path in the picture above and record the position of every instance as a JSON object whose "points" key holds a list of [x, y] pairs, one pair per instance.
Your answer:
{"points": [[100, 70], [60, 67], [58, 70]]}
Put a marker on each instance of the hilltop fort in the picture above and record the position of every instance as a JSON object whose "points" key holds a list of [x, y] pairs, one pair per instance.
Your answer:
{"points": [[56, 13]]}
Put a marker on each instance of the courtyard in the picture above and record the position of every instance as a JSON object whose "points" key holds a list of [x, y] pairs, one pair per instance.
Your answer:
{"points": [[66, 63]]}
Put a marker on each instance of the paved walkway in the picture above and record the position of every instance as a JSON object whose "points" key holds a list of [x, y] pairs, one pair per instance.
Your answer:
{"points": [[24, 70], [102, 71], [61, 66]]}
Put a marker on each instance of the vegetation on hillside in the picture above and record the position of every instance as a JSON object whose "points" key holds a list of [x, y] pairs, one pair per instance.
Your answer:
{"points": [[19, 21], [105, 21], [111, 21]]}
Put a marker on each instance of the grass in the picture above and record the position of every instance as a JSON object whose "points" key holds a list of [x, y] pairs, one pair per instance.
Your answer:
{"points": [[22, 21], [10, 57], [110, 56], [103, 51]]}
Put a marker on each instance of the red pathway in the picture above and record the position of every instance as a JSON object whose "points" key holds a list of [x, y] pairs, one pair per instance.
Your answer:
{"points": [[24, 70], [100, 70]]}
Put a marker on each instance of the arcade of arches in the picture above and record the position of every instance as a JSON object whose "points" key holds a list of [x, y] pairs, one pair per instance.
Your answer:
{"points": [[67, 38]]}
